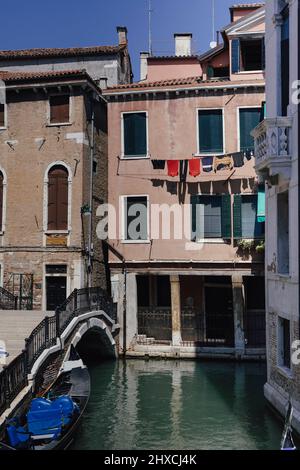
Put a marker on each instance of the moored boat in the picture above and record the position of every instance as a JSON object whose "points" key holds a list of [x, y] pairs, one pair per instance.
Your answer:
{"points": [[50, 422]]}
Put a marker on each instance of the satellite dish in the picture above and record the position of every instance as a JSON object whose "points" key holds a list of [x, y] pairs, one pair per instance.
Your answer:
{"points": [[213, 44]]}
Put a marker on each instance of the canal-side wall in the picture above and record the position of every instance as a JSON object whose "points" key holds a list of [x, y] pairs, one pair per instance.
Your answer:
{"points": [[133, 343]]}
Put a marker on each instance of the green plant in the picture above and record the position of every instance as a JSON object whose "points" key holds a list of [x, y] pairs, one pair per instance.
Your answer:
{"points": [[245, 244], [260, 247]]}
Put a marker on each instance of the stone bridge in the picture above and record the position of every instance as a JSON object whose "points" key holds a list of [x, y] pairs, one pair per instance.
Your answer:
{"points": [[35, 341]]}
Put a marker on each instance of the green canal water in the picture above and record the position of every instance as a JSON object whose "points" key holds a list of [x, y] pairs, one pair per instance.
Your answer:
{"points": [[177, 405]]}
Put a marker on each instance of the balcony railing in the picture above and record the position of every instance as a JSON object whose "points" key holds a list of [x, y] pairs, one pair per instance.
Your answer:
{"points": [[272, 142]]}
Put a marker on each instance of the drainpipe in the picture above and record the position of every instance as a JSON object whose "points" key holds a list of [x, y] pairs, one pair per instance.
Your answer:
{"points": [[90, 235], [298, 142]]}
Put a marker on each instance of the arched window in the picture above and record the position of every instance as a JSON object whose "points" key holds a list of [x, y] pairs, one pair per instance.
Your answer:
{"points": [[1, 200], [58, 198]]}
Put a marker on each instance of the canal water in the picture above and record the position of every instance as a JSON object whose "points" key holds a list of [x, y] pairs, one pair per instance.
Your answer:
{"points": [[182, 405]]}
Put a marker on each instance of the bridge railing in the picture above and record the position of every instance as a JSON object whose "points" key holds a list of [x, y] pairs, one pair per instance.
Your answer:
{"points": [[8, 301], [13, 378]]}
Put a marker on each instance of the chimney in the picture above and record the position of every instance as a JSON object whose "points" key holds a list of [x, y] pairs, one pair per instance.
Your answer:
{"points": [[144, 65], [103, 83], [122, 34], [183, 44]]}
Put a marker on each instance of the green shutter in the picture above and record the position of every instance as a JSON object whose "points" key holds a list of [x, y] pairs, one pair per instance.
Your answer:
{"points": [[237, 216], [135, 134], [226, 216], [235, 55], [249, 119], [194, 202], [211, 131]]}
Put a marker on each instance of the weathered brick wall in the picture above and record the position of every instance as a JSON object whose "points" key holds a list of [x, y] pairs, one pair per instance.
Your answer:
{"points": [[27, 147]]}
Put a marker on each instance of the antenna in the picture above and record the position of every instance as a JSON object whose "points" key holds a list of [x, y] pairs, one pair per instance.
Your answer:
{"points": [[150, 25], [213, 40]]}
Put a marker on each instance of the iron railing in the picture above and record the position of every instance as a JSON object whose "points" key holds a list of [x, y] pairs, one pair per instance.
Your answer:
{"points": [[8, 301], [13, 378], [255, 329], [155, 322]]}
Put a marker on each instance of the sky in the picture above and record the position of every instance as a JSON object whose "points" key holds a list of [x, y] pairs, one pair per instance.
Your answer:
{"points": [[70, 23]]}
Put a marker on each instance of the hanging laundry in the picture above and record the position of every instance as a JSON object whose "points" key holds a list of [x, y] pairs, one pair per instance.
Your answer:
{"points": [[249, 154], [238, 159], [222, 163], [194, 165], [173, 167], [158, 164], [183, 170], [207, 164]]}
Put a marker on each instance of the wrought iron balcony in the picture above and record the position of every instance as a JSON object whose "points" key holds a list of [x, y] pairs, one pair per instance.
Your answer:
{"points": [[272, 142]]}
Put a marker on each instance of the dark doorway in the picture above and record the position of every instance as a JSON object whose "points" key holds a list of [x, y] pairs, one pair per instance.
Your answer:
{"points": [[56, 291], [219, 316]]}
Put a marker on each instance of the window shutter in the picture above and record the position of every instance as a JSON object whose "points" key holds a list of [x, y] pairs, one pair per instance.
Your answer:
{"points": [[249, 119], [263, 54], [59, 109], [210, 131], [235, 55], [135, 134], [194, 202], [58, 199], [226, 216], [237, 216], [1, 201], [2, 117]]}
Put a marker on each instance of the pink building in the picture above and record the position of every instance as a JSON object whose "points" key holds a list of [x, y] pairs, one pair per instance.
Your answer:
{"points": [[186, 255]]}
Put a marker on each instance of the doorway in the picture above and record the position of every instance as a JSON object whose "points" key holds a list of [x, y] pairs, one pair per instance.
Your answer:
{"points": [[219, 314], [56, 291]]}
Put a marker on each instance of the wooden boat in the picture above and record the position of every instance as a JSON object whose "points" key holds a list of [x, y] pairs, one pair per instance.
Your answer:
{"points": [[50, 422], [287, 442]]}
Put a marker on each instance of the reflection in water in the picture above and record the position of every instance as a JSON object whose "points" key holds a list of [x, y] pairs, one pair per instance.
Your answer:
{"points": [[177, 405]]}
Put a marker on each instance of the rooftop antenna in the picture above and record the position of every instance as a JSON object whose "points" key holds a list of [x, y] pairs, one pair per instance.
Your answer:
{"points": [[213, 42], [150, 25]]}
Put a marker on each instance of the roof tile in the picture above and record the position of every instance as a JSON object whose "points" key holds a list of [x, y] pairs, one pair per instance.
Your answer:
{"points": [[60, 52]]}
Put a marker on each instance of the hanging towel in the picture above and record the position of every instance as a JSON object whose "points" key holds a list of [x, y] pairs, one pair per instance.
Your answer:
{"points": [[261, 205], [238, 159], [207, 164], [158, 164], [195, 167], [183, 170], [173, 167], [223, 163], [249, 154]]}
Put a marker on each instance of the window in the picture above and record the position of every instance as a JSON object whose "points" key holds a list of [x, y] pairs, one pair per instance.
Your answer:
{"points": [[1, 200], [245, 217], [247, 55], [284, 343], [249, 118], [135, 134], [136, 218], [211, 217], [285, 61], [210, 128], [58, 198], [59, 109], [283, 253], [56, 269], [2, 115]]}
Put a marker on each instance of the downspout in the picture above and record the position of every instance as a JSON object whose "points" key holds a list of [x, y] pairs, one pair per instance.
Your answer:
{"points": [[90, 237], [298, 142]]}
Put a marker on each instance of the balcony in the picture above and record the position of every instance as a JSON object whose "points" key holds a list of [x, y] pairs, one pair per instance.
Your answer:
{"points": [[272, 141]]}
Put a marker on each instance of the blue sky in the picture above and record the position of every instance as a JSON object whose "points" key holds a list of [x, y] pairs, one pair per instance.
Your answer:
{"points": [[65, 23]]}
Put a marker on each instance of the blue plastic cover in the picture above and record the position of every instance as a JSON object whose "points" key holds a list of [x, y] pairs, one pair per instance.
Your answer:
{"points": [[44, 421]]}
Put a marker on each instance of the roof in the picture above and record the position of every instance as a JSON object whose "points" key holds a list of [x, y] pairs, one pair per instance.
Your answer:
{"points": [[12, 77], [259, 6], [211, 52], [246, 6], [178, 57], [184, 83], [61, 52]]}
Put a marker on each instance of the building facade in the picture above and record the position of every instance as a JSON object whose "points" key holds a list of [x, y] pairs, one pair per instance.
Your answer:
{"points": [[53, 175], [190, 281], [106, 65], [276, 154]]}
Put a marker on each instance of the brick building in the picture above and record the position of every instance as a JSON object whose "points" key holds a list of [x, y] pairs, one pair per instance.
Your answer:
{"points": [[53, 173]]}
